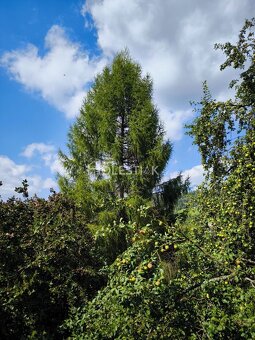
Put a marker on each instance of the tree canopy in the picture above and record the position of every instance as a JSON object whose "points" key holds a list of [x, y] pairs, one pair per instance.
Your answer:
{"points": [[117, 141]]}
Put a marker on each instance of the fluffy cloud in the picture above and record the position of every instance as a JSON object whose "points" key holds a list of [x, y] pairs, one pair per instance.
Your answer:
{"points": [[174, 121], [173, 40], [41, 148], [47, 153], [195, 174], [12, 174], [49, 183], [60, 76]]}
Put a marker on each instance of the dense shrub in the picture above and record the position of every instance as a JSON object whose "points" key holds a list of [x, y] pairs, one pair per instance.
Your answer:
{"points": [[48, 264]]}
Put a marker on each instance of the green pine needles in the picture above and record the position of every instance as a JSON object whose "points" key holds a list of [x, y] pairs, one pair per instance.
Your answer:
{"points": [[117, 141]]}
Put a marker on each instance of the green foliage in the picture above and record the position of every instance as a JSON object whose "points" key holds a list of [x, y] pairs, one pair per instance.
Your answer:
{"points": [[172, 282], [168, 194], [224, 133], [119, 131], [220, 125], [177, 269], [48, 264], [117, 154], [133, 302], [194, 279]]}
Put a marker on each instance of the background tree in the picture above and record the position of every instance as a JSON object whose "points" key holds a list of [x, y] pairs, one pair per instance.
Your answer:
{"points": [[222, 126]]}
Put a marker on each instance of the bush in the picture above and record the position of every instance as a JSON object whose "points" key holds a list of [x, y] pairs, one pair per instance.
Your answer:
{"points": [[48, 264]]}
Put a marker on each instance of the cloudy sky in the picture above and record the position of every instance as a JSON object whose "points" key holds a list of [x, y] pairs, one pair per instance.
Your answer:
{"points": [[50, 52]]}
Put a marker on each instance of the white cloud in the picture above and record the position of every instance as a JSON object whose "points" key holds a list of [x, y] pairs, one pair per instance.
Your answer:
{"points": [[9, 168], [41, 148], [195, 174], [12, 175], [60, 76], [48, 155], [56, 166], [173, 40], [174, 122], [49, 183]]}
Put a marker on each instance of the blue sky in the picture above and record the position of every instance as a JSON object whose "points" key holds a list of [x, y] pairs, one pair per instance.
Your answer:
{"points": [[50, 52]]}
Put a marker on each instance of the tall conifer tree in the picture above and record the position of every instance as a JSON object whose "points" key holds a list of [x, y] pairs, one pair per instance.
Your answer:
{"points": [[118, 133]]}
